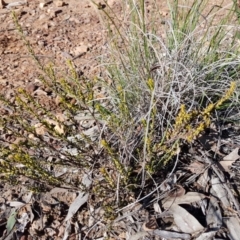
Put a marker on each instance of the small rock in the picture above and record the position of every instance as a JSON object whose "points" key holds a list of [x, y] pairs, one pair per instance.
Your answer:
{"points": [[87, 20], [31, 87], [58, 100], [32, 137], [40, 92], [53, 12], [40, 129], [66, 55], [111, 3], [82, 49], [61, 117], [73, 19], [1, 4], [19, 140], [41, 43], [52, 23], [42, 4], [10, 1], [42, 16], [59, 3], [44, 26], [66, 17], [32, 12]]}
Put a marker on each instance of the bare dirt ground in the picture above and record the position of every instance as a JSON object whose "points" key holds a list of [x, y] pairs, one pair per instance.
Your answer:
{"points": [[57, 30]]}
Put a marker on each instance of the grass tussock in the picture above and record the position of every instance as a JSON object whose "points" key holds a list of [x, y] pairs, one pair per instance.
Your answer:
{"points": [[159, 92]]}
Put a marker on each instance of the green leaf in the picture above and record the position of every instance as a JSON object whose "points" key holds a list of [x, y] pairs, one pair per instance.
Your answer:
{"points": [[11, 221]]}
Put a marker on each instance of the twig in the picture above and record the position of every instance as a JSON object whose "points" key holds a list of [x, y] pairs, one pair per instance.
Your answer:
{"points": [[10, 29]]}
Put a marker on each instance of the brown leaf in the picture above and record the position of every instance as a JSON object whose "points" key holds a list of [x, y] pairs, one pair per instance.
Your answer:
{"points": [[150, 225], [178, 191], [226, 165], [233, 156], [196, 167], [204, 179]]}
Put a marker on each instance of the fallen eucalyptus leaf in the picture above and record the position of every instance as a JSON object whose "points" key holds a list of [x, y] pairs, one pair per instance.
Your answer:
{"points": [[157, 208], [15, 4], [80, 200], [204, 179], [206, 235], [213, 214], [226, 165], [11, 221], [16, 204], [186, 222], [58, 190], [77, 203], [188, 198], [24, 220], [171, 235], [67, 231], [233, 156], [220, 191], [150, 225], [87, 181], [233, 226], [138, 235], [196, 167], [177, 192], [28, 197]]}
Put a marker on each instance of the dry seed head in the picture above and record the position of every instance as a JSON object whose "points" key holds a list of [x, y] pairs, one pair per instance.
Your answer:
{"points": [[208, 109], [227, 95], [150, 84]]}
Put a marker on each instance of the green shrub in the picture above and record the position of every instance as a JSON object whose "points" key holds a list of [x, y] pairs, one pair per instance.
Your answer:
{"points": [[158, 93]]}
